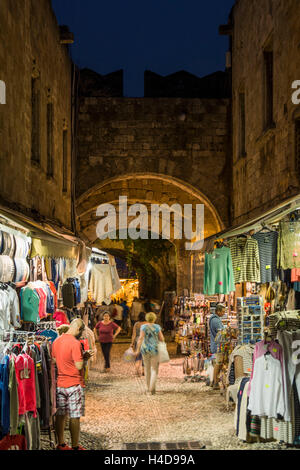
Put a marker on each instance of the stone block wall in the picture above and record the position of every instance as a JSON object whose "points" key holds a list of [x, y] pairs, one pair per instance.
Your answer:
{"points": [[267, 174], [182, 138], [30, 47]]}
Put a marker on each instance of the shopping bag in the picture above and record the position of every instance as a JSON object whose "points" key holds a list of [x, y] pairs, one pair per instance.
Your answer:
{"points": [[129, 355], [163, 355]]}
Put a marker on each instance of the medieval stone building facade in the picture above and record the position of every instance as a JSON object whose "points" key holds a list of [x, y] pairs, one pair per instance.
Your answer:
{"points": [[161, 149], [266, 128], [230, 140], [36, 121]]}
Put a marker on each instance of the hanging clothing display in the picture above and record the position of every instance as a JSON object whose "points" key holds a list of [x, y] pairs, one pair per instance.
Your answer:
{"points": [[7, 269], [8, 244], [116, 284], [37, 301], [245, 259], [89, 335], [9, 308], [13, 264], [290, 340], [101, 283], [22, 270], [27, 381], [83, 258], [289, 245], [218, 272], [70, 270], [71, 293], [295, 275], [267, 245], [242, 419], [22, 247], [267, 394], [84, 285], [60, 318], [245, 351], [270, 347]]}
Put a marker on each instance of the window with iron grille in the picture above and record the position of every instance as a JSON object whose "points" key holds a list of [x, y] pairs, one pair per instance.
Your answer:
{"points": [[50, 148], [65, 161], [35, 121], [297, 145], [242, 125], [269, 88]]}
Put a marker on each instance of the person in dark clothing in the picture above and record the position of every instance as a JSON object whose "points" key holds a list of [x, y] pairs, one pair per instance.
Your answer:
{"points": [[125, 316], [147, 306]]}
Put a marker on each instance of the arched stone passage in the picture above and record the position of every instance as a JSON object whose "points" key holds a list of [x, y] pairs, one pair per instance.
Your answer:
{"points": [[146, 189], [163, 275]]}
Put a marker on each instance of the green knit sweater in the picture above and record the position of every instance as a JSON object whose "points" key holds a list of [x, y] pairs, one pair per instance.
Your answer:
{"points": [[218, 272]]}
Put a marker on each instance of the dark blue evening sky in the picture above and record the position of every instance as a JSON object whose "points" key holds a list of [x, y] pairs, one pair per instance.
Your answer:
{"points": [[163, 36]]}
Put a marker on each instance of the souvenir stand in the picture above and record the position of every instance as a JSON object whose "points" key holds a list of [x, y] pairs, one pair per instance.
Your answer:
{"points": [[191, 334], [104, 279], [193, 337], [264, 263]]}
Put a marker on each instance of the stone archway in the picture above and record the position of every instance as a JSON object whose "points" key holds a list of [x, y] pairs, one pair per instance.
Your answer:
{"points": [[163, 275], [146, 189]]}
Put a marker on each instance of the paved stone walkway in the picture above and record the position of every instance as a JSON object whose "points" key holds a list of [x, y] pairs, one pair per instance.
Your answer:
{"points": [[119, 412]]}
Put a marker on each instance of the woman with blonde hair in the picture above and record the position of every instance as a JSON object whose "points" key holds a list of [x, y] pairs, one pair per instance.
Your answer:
{"points": [[150, 336]]}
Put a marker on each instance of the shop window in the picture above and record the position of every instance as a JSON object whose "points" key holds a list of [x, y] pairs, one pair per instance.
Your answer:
{"points": [[50, 148], [269, 89], [297, 145], [65, 161], [35, 121], [242, 125]]}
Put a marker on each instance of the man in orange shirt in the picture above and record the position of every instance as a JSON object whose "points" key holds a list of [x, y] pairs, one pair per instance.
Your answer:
{"points": [[69, 358]]}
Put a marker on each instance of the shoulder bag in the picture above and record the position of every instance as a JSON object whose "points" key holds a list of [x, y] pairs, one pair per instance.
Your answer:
{"points": [[163, 355]]}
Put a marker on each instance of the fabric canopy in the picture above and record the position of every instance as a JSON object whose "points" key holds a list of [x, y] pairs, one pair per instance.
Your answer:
{"points": [[53, 249]]}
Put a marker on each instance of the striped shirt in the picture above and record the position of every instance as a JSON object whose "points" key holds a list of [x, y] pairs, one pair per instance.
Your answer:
{"points": [[245, 259], [267, 245]]}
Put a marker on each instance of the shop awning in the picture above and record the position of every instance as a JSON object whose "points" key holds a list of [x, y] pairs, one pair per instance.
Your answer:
{"points": [[53, 249], [270, 217]]}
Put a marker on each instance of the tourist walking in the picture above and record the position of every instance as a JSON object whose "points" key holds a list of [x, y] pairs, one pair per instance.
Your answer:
{"points": [[106, 331], [135, 338], [150, 335]]}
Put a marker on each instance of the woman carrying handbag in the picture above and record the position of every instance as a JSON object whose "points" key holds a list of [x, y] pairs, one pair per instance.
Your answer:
{"points": [[149, 345]]}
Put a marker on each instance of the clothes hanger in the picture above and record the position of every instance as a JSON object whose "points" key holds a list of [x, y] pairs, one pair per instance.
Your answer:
{"points": [[264, 226]]}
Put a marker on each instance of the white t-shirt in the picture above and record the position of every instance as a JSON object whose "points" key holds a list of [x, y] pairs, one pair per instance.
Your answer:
{"points": [[267, 389]]}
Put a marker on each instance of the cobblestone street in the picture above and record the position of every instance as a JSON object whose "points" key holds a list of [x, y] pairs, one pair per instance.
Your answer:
{"points": [[118, 410]]}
